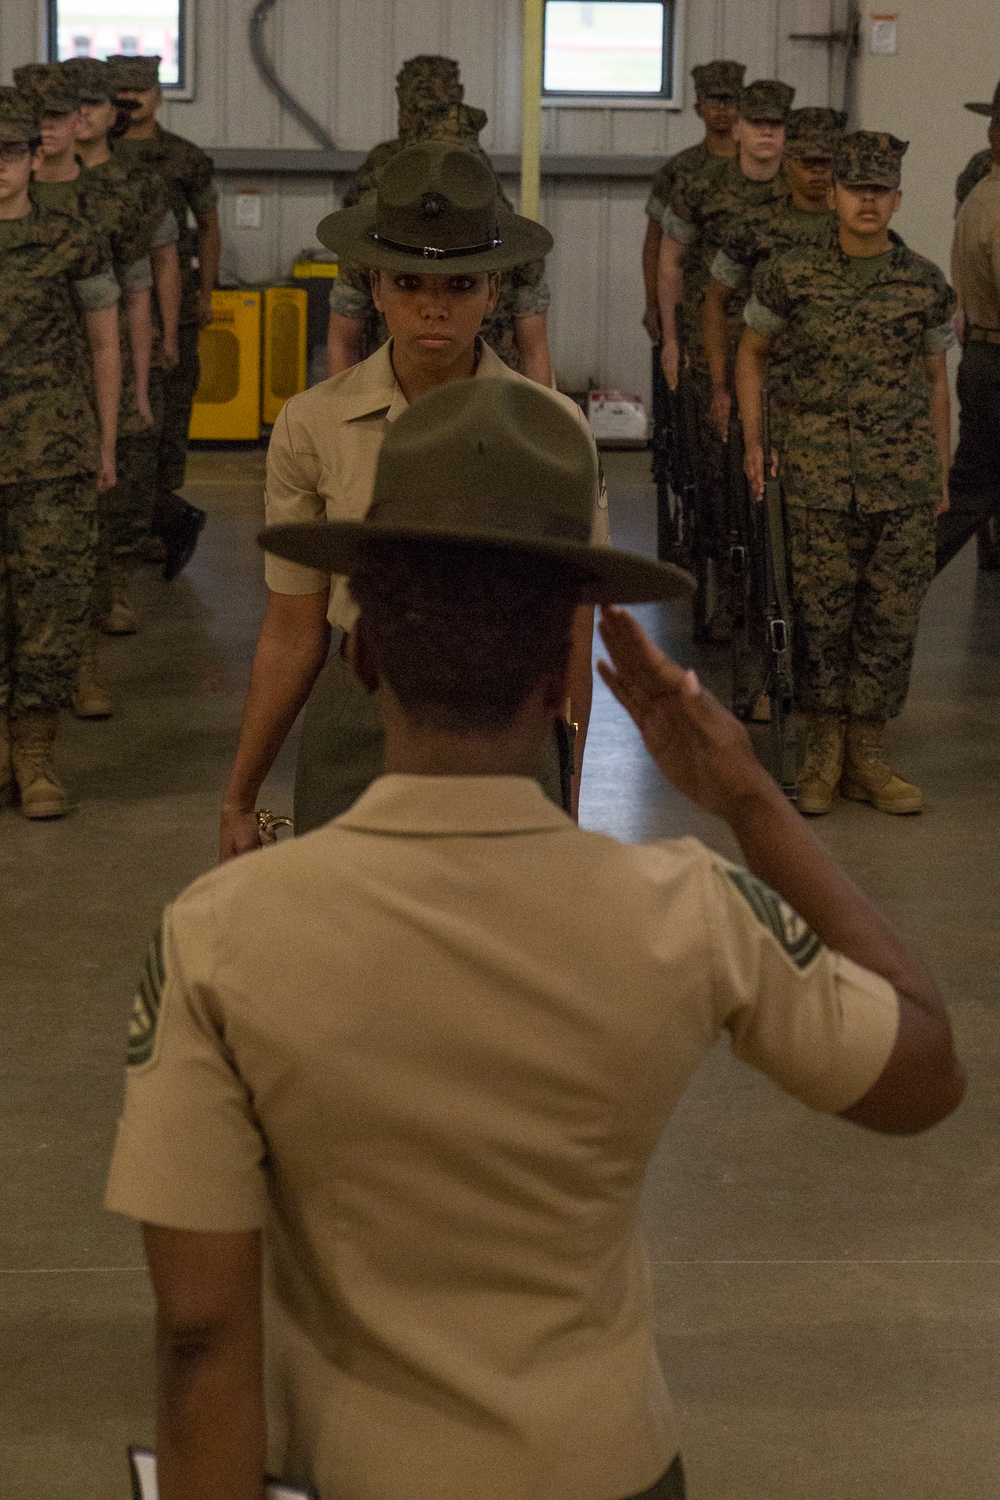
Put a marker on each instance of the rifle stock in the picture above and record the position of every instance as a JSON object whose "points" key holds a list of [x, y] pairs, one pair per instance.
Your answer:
{"points": [[778, 615]]}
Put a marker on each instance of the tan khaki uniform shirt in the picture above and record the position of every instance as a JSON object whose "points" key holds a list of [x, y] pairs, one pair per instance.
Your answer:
{"points": [[322, 456], [430, 1049], [977, 253]]}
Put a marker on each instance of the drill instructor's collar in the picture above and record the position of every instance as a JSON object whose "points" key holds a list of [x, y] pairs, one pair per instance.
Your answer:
{"points": [[375, 389]]}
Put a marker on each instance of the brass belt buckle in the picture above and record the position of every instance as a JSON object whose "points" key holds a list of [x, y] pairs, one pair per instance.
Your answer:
{"points": [[268, 824]]}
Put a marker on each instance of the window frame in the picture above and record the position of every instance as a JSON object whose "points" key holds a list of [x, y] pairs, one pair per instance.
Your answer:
{"points": [[670, 97], [184, 89]]}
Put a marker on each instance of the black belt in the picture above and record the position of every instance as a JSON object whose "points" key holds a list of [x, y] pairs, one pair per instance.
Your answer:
{"points": [[982, 335]]}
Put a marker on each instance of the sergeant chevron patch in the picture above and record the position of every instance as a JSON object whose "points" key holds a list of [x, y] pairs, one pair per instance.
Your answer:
{"points": [[799, 941], [146, 1006]]}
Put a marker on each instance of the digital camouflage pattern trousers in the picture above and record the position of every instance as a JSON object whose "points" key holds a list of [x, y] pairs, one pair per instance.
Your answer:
{"points": [[48, 557], [858, 582]]}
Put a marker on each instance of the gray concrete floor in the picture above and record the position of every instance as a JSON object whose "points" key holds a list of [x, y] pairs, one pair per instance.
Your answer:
{"points": [[827, 1300]]}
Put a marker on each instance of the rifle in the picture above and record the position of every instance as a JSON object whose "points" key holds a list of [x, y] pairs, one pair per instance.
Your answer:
{"points": [[667, 470], [696, 508], [743, 541], [777, 615]]}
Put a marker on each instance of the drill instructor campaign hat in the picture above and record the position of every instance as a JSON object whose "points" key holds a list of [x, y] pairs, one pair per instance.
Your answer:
{"points": [[993, 109], [435, 212], [486, 462]]}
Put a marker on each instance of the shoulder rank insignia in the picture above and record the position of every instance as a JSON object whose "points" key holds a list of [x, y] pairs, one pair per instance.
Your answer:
{"points": [[146, 1005], [799, 941]]}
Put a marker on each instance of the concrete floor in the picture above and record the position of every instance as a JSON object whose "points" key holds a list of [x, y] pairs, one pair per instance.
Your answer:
{"points": [[827, 1300]]}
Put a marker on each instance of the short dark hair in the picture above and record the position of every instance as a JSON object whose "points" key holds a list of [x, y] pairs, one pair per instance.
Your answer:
{"points": [[463, 633]]}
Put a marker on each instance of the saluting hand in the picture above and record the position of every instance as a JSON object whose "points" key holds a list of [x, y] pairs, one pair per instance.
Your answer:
{"points": [[695, 742]]}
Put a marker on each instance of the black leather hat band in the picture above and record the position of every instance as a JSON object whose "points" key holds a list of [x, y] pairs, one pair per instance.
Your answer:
{"points": [[433, 252]]}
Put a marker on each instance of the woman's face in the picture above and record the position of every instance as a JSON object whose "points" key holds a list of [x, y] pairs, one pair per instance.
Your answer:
{"points": [[433, 319]]}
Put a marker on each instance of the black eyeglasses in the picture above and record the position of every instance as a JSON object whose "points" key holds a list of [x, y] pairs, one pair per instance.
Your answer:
{"points": [[15, 150]]}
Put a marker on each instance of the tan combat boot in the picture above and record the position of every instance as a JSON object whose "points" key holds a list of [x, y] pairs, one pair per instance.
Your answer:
{"points": [[867, 775], [121, 618], [6, 769], [42, 794], [91, 699], [822, 764]]}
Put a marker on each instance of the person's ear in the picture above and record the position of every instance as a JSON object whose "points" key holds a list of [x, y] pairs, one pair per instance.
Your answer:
{"points": [[831, 197], [897, 200], [375, 278], [494, 289], [358, 656]]}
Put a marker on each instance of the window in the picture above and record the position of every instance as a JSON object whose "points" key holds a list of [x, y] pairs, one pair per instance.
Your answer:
{"points": [[609, 49], [102, 28]]}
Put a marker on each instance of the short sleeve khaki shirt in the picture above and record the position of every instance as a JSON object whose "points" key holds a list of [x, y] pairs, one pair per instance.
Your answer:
{"points": [[322, 456], [430, 1049], [977, 253]]}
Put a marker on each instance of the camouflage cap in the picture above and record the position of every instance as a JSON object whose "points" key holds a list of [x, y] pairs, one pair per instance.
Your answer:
{"points": [[718, 79], [869, 158], [766, 101], [456, 122], [18, 118], [138, 73], [814, 132], [91, 78], [430, 78], [992, 109], [48, 87]]}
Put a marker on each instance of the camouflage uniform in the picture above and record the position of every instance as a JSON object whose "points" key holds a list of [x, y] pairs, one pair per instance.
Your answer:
{"points": [[51, 267], [719, 79], [186, 172], [770, 230], [129, 506], [860, 464], [430, 108]]}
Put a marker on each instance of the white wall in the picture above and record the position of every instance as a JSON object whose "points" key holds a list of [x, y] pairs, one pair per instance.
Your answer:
{"points": [[947, 54], [340, 58]]}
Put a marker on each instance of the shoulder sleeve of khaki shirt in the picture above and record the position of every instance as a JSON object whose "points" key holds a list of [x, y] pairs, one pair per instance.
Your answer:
{"points": [[189, 1153], [818, 1025], [290, 494]]}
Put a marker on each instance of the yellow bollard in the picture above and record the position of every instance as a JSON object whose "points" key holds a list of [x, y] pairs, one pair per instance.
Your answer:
{"points": [[531, 108]]}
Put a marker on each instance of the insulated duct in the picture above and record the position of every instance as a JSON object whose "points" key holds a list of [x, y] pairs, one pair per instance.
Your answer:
{"points": [[265, 67]]}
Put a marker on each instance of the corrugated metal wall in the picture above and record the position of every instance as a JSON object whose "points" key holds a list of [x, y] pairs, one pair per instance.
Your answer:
{"points": [[340, 58]]}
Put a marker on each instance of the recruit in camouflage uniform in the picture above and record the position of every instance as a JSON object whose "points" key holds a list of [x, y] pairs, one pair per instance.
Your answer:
{"points": [[52, 268], [186, 172], [862, 475], [698, 218], [130, 504], [703, 207], [720, 79], [129, 210], [430, 108], [770, 230]]}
